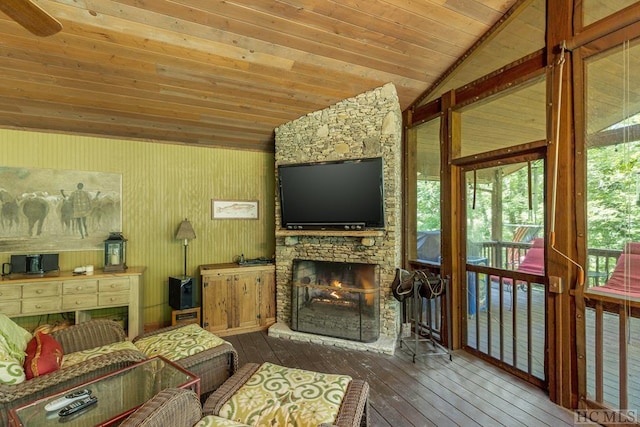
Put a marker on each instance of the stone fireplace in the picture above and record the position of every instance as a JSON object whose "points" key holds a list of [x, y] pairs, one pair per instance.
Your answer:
{"points": [[365, 126]]}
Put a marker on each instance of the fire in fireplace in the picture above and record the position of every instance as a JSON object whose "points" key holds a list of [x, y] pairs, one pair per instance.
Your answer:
{"points": [[336, 299]]}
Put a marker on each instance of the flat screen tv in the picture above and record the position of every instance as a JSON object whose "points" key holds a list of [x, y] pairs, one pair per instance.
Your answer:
{"points": [[346, 195]]}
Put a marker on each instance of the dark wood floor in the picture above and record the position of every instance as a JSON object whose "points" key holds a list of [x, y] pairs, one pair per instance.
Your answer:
{"points": [[432, 392]]}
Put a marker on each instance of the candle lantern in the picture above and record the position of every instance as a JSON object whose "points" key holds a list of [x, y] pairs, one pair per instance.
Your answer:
{"points": [[115, 252]]}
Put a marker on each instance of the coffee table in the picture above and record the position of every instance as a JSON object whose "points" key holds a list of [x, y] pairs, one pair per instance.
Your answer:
{"points": [[119, 394]]}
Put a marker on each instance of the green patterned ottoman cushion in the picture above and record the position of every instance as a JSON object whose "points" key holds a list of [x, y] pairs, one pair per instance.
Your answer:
{"points": [[276, 395], [84, 355], [214, 421], [178, 343]]}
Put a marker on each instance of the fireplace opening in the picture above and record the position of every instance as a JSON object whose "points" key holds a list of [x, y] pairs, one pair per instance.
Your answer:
{"points": [[336, 299]]}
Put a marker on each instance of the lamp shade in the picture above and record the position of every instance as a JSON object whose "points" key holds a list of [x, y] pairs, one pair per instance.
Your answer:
{"points": [[185, 231]]}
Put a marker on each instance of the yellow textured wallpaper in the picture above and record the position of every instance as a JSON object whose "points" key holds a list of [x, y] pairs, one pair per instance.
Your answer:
{"points": [[161, 185]]}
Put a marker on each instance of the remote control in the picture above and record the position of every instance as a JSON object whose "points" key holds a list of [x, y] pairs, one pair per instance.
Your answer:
{"points": [[78, 405], [66, 399]]}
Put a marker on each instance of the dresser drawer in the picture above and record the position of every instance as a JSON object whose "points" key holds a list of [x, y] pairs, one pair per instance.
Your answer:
{"points": [[10, 292], [114, 285], [39, 290], [80, 287], [113, 298], [10, 308], [79, 301], [40, 305]]}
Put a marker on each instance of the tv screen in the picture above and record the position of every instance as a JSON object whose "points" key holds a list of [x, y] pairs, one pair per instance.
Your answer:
{"points": [[346, 194]]}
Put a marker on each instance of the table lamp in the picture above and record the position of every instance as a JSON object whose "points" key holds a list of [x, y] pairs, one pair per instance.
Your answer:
{"points": [[181, 289], [186, 233]]}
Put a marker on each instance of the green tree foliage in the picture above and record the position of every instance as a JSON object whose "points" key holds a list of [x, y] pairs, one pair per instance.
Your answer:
{"points": [[428, 211], [612, 195]]}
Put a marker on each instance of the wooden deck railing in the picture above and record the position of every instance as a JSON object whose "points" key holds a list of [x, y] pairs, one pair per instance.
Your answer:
{"points": [[507, 255], [611, 363]]}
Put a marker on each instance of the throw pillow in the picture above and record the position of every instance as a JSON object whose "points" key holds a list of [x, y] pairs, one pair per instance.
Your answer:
{"points": [[11, 370], [44, 355], [15, 336]]}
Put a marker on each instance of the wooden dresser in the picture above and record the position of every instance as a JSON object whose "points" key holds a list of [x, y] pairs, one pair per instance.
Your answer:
{"points": [[237, 299], [63, 292]]}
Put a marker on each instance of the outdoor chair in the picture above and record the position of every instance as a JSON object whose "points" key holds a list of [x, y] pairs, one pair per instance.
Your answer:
{"points": [[532, 263], [625, 279]]}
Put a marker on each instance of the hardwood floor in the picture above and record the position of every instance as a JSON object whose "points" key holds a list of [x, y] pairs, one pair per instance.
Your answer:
{"points": [[432, 392]]}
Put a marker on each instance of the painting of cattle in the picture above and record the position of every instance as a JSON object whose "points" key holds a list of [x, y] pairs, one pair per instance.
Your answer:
{"points": [[57, 210]]}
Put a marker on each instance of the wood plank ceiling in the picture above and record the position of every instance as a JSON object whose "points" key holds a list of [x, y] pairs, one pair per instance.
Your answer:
{"points": [[223, 73]]}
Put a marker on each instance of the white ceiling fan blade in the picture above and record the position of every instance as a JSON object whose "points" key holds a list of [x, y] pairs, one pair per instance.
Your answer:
{"points": [[31, 16]]}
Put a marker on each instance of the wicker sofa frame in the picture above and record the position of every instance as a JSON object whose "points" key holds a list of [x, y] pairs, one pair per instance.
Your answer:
{"points": [[173, 407], [83, 336], [214, 366]]}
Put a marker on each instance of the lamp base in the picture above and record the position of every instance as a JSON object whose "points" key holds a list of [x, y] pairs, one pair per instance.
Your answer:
{"points": [[118, 268]]}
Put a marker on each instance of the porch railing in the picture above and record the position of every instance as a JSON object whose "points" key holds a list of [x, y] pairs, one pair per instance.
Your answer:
{"points": [[508, 255], [610, 322]]}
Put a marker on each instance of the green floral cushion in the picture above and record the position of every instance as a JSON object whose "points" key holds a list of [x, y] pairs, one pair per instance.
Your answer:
{"points": [[214, 421], [15, 337], [84, 355], [11, 370], [179, 343], [276, 395]]}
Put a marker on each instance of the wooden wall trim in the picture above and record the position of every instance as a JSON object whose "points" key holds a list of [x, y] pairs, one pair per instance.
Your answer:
{"points": [[561, 325], [450, 202], [627, 16]]}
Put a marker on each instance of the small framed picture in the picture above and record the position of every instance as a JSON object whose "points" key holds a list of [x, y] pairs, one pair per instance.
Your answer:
{"points": [[234, 209]]}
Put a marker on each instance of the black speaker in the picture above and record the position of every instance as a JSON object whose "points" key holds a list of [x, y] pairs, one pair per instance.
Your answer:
{"points": [[181, 292]]}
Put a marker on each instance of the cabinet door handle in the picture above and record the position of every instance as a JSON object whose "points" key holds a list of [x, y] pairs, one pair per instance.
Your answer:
{"points": [[39, 291]]}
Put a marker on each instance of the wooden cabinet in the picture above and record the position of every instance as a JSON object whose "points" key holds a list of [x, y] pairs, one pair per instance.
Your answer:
{"points": [[237, 299], [63, 292]]}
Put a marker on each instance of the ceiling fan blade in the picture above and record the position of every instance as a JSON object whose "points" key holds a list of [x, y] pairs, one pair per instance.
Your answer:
{"points": [[31, 16]]}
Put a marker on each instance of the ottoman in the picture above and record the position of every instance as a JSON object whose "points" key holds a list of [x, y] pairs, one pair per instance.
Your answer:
{"points": [[199, 351], [269, 394]]}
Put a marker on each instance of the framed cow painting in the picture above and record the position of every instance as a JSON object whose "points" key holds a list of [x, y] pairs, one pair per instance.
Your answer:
{"points": [[44, 210]]}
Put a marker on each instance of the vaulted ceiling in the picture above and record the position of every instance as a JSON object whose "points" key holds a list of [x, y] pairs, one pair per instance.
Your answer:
{"points": [[223, 73]]}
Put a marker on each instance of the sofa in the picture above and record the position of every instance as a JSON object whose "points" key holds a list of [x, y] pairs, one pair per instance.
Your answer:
{"points": [[105, 344], [93, 337]]}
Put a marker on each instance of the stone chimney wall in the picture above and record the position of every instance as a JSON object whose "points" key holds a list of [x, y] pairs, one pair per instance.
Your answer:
{"points": [[365, 126]]}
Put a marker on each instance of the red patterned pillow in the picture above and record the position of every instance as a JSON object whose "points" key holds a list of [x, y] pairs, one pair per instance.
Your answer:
{"points": [[44, 355]]}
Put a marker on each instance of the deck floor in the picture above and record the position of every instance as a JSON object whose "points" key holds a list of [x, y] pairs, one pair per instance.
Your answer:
{"points": [[492, 319], [431, 392]]}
